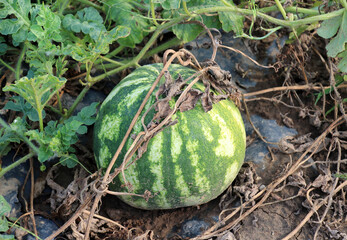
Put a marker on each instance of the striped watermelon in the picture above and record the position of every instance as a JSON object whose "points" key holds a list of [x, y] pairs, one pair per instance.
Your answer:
{"points": [[187, 164]]}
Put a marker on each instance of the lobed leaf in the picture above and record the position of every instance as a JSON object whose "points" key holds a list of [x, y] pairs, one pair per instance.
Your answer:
{"points": [[88, 21], [329, 27], [69, 161], [20, 105], [19, 8], [37, 91], [57, 138], [187, 32], [170, 4], [232, 22], [124, 14], [337, 44], [19, 25], [4, 206], [343, 62]]}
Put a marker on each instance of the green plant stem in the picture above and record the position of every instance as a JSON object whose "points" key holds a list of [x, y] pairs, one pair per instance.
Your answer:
{"points": [[16, 163], [280, 7], [91, 4], [226, 3], [59, 103], [291, 10], [26, 140], [264, 16], [6, 65], [115, 51], [153, 13], [77, 101], [110, 55], [55, 110], [63, 6], [39, 112], [166, 45], [26, 230], [169, 44], [184, 3], [344, 3], [19, 62], [111, 61]]}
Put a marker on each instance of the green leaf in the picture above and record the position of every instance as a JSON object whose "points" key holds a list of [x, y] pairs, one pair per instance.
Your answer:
{"points": [[232, 22], [87, 21], [10, 26], [3, 225], [20, 105], [20, 36], [7, 237], [337, 44], [4, 206], [125, 14], [44, 154], [37, 91], [69, 161], [329, 27], [87, 114], [19, 8], [170, 4], [46, 24], [3, 46], [343, 62], [101, 46], [187, 32], [339, 81]]}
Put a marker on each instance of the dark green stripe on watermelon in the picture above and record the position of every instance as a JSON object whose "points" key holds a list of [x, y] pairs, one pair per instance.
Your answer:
{"points": [[186, 164]]}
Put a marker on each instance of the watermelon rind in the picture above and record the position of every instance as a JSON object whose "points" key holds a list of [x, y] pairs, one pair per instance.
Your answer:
{"points": [[187, 164]]}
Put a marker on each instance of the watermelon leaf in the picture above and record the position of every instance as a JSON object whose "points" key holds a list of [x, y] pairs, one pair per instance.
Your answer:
{"points": [[12, 135], [20, 9], [87, 20], [123, 13], [4, 208], [58, 138], [37, 91], [20, 105]]}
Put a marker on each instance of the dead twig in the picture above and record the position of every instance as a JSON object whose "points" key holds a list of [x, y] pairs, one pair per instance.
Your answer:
{"points": [[337, 94], [32, 190], [330, 197], [250, 121], [71, 219], [312, 211], [284, 88], [251, 59], [107, 220]]}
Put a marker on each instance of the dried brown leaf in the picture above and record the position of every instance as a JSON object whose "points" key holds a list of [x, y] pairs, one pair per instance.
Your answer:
{"points": [[192, 97], [171, 88], [324, 182], [163, 110], [227, 236], [297, 179], [291, 144]]}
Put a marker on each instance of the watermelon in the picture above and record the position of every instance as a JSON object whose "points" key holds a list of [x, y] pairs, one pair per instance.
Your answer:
{"points": [[186, 164]]}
